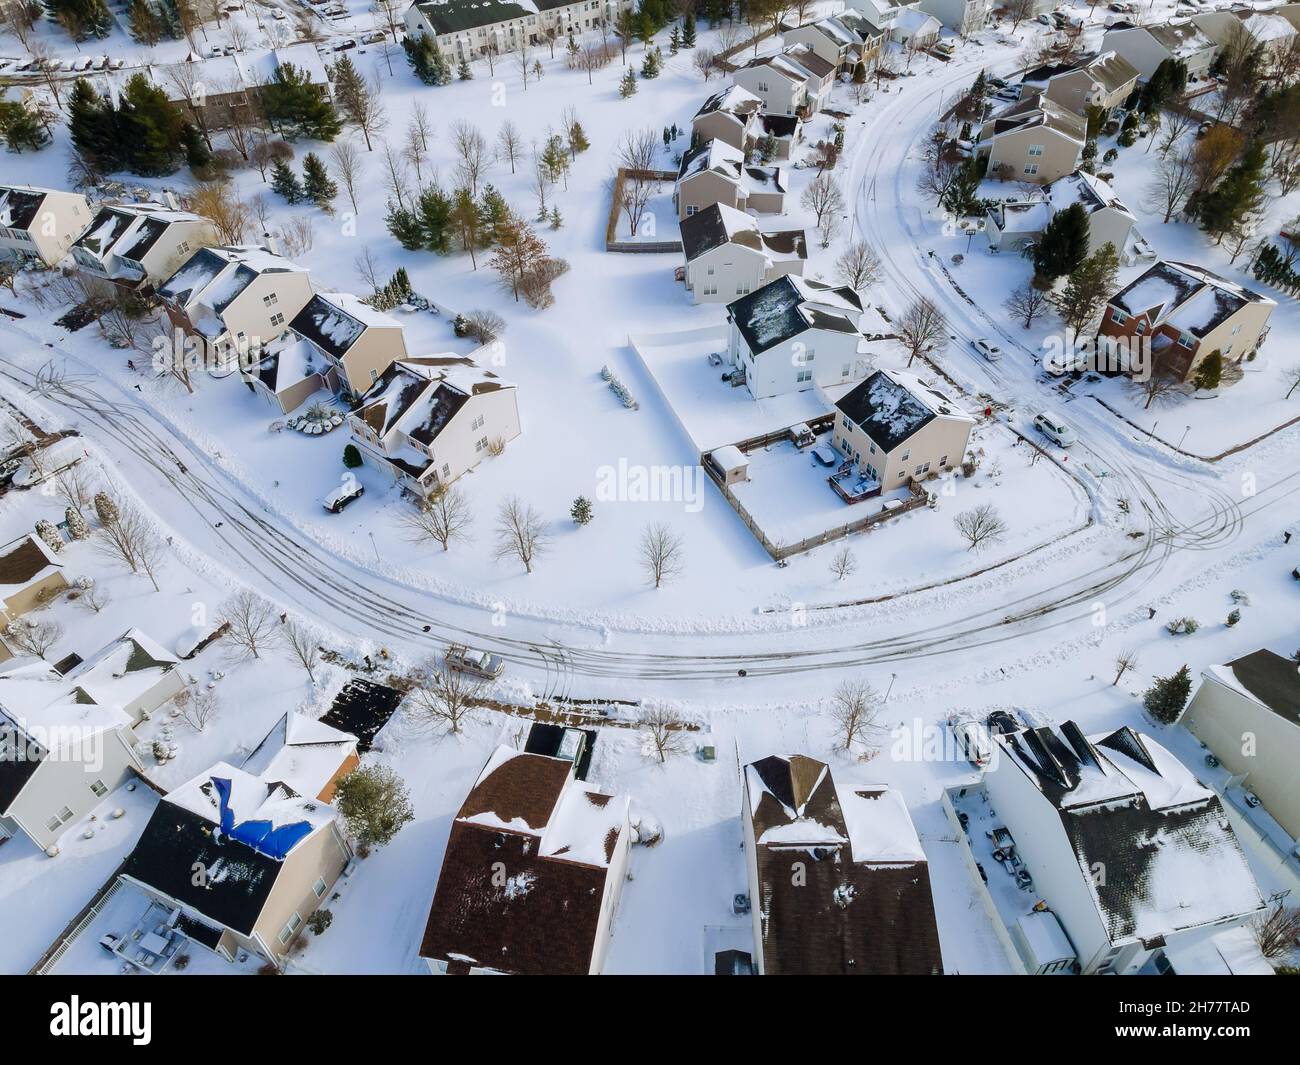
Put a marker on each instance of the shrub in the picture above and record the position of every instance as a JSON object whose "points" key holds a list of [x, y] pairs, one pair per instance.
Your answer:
{"points": [[351, 457]]}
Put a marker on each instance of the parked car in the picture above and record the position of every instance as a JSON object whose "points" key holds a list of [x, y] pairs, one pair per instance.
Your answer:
{"points": [[990, 351], [826, 455], [343, 495], [1055, 429], [278, 14], [345, 44], [1045, 20], [973, 742], [479, 663]]}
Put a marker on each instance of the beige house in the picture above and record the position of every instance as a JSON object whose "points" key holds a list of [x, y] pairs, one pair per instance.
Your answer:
{"points": [[335, 342], [471, 28], [896, 428], [1187, 312], [1248, 713], [1146, 47], [30, 575], [37, 223], [428, 420], [915, 30], [796, 81], [715, 172], [140, 244], [844, 40], [727, 256], [1245, 29], [838, 882], [1035, 140], [731, 116], [234, 300], [308, 755], [532, 874], [237, 862], [1105, 81], [67, 739], [1012, 224]]}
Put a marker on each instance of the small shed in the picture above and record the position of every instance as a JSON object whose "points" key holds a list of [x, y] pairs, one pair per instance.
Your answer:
{"points": [[1043, 944], [732, 463]]}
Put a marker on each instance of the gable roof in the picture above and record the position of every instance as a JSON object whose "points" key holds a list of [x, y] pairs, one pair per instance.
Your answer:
{"points": [[122, 670], [301, 752], [864, 905], [1109, 69], [1038, 112], [236, 827], [891, 406], [719, 224], [455, 16], [19, 205], [216, 276], [735, 100], [24, 562], [334, 321], [420, 396], [1180, 39], [1129, 807], [556, 837], [788, 306], [1268, 679], [1187, 297]]}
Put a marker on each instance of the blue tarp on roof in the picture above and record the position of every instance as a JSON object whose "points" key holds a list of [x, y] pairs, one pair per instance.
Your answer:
{"points": [[262, 836]]}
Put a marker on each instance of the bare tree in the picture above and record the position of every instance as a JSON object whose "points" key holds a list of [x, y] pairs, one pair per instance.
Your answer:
{"points": [[367, 269], [1124, 661], [1174, 126], [421, 126], [1278, 930], [19, 18], [855, 710], [444, 698], [443, 517], [636, 156], [301, 643], [1159, 388], [845, 563], [510, 143], [95, 596], [1027, 303], [217, 202], [249, 620], [663, 732], [396, 175], [660, 551], [922, 328], [1172, 181], [981, 526], [704, 62], [858, 266], [521, 532], [346, 158], [822, 197], [76, 488], [34, 637], [128, 537], [472, 156], [198, 706], [1291, 378]]}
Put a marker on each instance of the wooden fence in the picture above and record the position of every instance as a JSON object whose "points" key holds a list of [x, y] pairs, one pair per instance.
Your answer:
{"points": [[612, 243]]}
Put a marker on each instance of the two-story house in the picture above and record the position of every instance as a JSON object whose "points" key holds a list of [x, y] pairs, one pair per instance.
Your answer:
{"points": [[796, 81], [731, 116], [139, 245], [846, 40], [532, 873], [1146, 47], [1187, 312], [792, 335], [428, 420], [963, 17], [895, 427], [1035, 140], [470, 28], [38, 223], [231, 301], [336, 342], [1105, 81], [715, 172], [1011, 224], [727, 255]]}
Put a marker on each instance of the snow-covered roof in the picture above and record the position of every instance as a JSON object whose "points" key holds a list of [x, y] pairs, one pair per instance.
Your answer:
{"points": [[1046, 938], [719, 224], [19, 205], [911, 21], [1130, 807], [734, 100], [130, 230], [25, 562], [1110, 70], [1187, 297], [790, 305], [729, 458], [288, 361], [715, 155], [301, 752], [1086, 189], [334, 321], [1266, 678], [1038, 112], [214, 277], [891, 406], [1231, 952], [1181, 40]]}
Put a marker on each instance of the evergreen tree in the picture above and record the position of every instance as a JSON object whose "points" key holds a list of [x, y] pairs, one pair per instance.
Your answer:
{"points": [[496, 213], [577, 139], [627, 87], [77, 527], [296, 108], [21, 127], [316, 183], [1063, 245], [286, 183], [581, 512], [92, 123], [434, 212], [675, 40], [351, 457], [651, 65], [197, 153], [1167, 696], [1090, 284], [1237, 196], [960, 198], [688, 31], [1209, 372], [466, 218], [46, 531], [1128, 132], [105, 508], [405, 227], [81, 18], [144, 22], [426, 59], [463, 71], [152, 129], [1167, 82], [557, 219]]}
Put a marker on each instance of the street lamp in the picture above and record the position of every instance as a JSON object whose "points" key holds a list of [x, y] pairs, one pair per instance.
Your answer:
{"points": [[1182, 438], [892, 677], [374, 545]]}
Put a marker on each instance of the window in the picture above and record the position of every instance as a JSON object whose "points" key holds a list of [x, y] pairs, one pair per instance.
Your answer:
{"points": [[446, 469], [762, 86], [922, 469], [183, 247], [803, 376], [480, 445], [943, 461], [844, 419], [709, 271], [691, 209], [277, 318], [1186, 340], [1117, 316], [905, 455], [374, 376], [1141, 327], [99, 788], [846, 369], [271, 299], [477, 423], [286, 933], [59, 820], [318, 888], [1031, 169], [1035, 151]]}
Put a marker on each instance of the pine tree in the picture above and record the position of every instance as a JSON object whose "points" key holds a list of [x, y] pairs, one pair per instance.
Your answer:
{"points": [[296, 108], [1089, 286], [197, 153], [92, 122], [1210, 372], [145, 25], [581, 512], [463, 71], [77, 527], [405, 227], [557, 219], [688, 31], [650, 66], [434, 212], [675, 40], [627, 87], [316, 183], [1063, 245], [47, 532], [496, 213], [351, 457], [1167, 696], [21, 127], [1238, 196], [285, 182], [427, 60], [152, 129], [1128, 131], [577, 139], [105, 508]]}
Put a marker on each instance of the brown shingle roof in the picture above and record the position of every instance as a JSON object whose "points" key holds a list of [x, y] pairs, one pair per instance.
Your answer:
{"points": [[23, 563]]}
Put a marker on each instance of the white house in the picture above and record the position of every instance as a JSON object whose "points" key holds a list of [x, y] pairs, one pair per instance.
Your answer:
{"points": [[844, 40], [792, 335], [140, 244], [1146, 47], [732, 116], [915, 30], [882, 13], [1014, 223], [428, 420], [796, 81], [838, 882], [961, 16], [233, 300], [1135, 857], [532, 873], [471, 28], [727, 256], [38, 223]]}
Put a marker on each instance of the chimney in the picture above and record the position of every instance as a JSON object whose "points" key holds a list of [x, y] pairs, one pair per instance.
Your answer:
{"points": [[169, 198], [271, 243]]}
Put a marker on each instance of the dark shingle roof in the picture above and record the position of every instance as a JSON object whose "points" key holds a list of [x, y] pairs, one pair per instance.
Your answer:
{"points": [[20, 206], [146, 236], [23, 563], [772, 314], [886, 411], [16, 771], [1273, 680]]}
